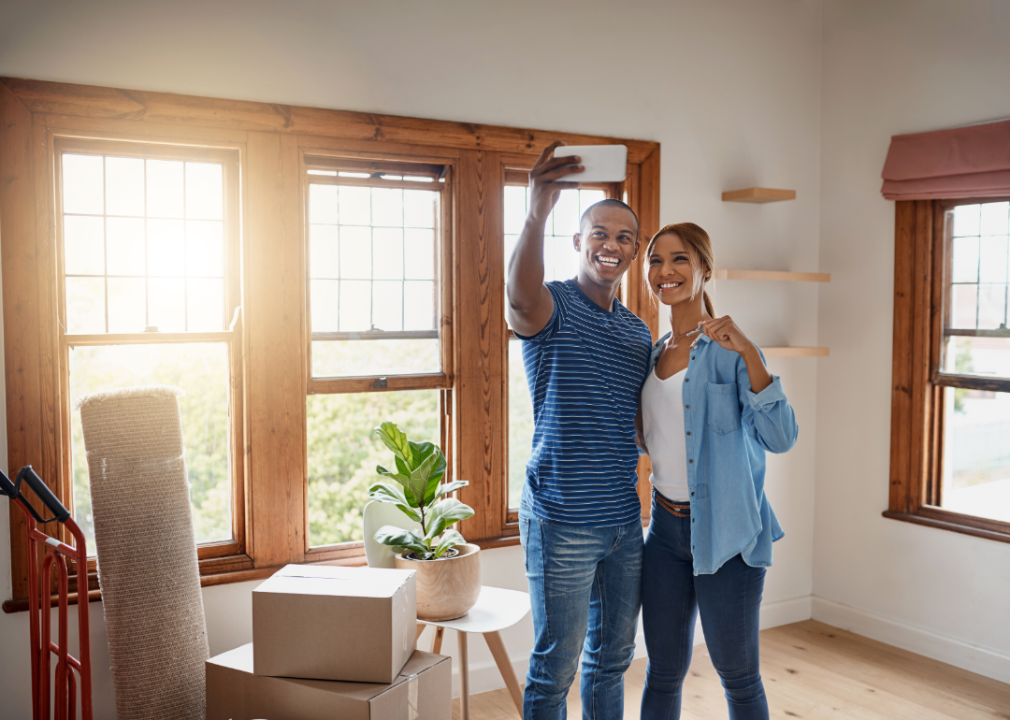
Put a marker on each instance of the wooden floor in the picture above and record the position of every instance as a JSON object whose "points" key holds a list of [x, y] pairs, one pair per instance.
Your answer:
{"points": [[815, 671]]}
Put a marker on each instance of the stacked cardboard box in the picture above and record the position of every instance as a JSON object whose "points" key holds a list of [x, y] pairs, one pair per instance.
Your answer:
{"points": [[331, 642]]}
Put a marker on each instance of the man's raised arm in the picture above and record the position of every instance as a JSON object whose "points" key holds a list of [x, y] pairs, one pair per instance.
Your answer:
{"points": [[530, 304]]}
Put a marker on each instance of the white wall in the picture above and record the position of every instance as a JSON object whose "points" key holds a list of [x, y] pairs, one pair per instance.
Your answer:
{"points": [[731, 88], [891, 67]]}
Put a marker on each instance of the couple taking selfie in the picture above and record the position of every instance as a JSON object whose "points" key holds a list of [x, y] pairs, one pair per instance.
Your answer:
{"points": [[703, 406]]}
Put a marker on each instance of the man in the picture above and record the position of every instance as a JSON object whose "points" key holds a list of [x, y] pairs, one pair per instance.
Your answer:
{"points": [[586, 356]]}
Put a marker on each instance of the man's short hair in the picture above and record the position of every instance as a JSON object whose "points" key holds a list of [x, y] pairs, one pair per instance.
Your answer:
{"points": [[608, 202]]}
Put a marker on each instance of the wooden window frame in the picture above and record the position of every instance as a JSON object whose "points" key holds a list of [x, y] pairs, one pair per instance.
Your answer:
{"points": [[272, 142], [922, 239]]}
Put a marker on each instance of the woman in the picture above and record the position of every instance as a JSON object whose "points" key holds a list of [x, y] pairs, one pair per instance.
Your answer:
{"points": [[709, 411]]}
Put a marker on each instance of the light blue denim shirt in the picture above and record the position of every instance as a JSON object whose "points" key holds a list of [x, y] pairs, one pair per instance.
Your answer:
{"points": [[728, 429]]}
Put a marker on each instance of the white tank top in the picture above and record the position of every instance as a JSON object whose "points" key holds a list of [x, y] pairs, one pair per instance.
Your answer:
{"points": [[663, 425]]}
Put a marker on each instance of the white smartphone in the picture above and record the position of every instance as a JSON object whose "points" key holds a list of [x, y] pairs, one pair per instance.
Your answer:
{"points": [[603, 163]]}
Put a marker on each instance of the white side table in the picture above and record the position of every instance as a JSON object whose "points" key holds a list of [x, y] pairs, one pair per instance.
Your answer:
{"points": [[496, 609]]}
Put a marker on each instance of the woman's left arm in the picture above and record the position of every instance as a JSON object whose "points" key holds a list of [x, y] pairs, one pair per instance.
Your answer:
{"points": [[764, 404]]}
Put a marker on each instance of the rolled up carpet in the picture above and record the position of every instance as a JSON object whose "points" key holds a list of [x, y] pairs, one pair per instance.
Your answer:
{"points": [[147, 562]]}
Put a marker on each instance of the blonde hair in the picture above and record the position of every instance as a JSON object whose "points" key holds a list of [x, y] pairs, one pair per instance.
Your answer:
{"points": [[702, 259]]}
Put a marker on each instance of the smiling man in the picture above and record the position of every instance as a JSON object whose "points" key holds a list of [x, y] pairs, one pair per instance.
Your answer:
{"points": [[586, 356]]}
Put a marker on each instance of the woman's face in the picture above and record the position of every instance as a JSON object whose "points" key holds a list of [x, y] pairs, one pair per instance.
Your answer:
{"points": [[671, 276]]}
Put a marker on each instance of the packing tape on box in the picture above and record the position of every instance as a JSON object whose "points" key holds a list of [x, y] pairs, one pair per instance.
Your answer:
{"points": [[412, 698]]}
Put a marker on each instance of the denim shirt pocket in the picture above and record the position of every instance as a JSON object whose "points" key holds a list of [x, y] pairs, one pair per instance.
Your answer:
{"points": [[723, 408]]}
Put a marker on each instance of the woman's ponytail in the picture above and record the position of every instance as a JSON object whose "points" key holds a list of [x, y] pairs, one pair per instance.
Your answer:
{"points": [[708, 303]]}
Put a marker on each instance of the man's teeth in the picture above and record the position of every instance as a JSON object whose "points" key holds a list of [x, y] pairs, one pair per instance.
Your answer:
{"points": [[612, 262]]}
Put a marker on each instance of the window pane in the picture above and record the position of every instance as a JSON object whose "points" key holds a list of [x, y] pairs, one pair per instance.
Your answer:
{"points": [[323, 204], [355, 305], [387, 305], [365, 358], [387, 253], [204, 249], [165, 247], [199, 369], [387, 207], [520, 423], [82, 184], [343, 452], [126, 305], [204, 191], [84, 245], [124, 186], [966, 220], [324, 257], [515, 209], [419, 254], [166, 304], [204, 305], [85, 305], [964, 313], [965, 259], [324, 303], [355, 205], [986, 356], [355, 253], [991, 306], [994, 217], [165, 184], [418, 209], [124, 238], [976, 461], [993, 259], [418, 305]]}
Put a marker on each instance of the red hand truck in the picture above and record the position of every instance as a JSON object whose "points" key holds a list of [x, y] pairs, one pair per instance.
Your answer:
{"points": [[43, 647]]}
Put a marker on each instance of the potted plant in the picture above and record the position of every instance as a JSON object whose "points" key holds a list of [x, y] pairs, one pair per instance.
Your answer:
{"points": [[447, 567]]}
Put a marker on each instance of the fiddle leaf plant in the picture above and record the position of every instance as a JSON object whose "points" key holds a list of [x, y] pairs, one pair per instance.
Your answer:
{"points": [[415, 486]]}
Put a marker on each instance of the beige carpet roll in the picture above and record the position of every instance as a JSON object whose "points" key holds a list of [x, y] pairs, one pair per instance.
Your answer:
{"points": [[147, 563]]}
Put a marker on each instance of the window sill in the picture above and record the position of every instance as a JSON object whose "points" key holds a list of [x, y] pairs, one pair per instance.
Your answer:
{"points": [[236, 576], [947, 525]]}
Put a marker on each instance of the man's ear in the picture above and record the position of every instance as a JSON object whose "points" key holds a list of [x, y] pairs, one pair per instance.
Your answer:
{"points": [[638, 246], [577, 242]]}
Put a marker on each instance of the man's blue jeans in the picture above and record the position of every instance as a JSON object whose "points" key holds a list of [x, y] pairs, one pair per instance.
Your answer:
{"points": [[730, 603], [584, 588]]}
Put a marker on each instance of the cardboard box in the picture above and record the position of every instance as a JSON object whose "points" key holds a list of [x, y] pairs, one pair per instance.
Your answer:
{"points": [[322, 622], [422, 691]]}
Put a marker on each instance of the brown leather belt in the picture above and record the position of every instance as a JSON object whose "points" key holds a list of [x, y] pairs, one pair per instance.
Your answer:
{"points": [[676, 509]]}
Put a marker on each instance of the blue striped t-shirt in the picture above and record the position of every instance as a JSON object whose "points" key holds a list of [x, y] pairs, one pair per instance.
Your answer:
{"points": [[585, 370]]}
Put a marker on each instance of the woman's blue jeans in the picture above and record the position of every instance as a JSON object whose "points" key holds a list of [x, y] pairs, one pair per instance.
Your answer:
{"points": [[584, 591], [729, 601]]}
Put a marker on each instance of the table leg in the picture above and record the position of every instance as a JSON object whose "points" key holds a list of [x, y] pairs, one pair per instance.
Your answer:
{"points": [[436, 642], [508, 673], [464, 676], [420, 629]]}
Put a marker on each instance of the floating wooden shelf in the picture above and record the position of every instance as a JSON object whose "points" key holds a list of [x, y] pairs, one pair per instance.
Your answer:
{"points": [[773, 275], [795, 351], [758, 195]]}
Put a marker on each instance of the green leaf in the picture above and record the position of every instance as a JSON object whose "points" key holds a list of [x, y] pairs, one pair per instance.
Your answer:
{"points": [[449, 540], [418, 482], [395, 441], [404, 468], [450, 487], [399, 477], [400, 538], [437, 473], [447, 512], [390, 493]]}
